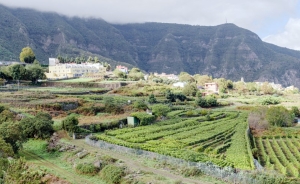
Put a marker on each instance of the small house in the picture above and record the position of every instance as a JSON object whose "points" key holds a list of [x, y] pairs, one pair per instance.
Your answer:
{"points": [[132, 121], [211, 88]]}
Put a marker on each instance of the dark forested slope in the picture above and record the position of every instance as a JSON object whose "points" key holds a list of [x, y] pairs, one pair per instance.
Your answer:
{"points": [[221, 51]]}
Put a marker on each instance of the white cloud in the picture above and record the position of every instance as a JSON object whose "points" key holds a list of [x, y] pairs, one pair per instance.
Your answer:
{"points": [[289, 38], [248, 14], [255, 15]]}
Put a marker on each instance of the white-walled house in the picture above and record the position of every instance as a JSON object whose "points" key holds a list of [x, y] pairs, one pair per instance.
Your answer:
{"points": [[179, 84], [211, 88], [69, 70]]}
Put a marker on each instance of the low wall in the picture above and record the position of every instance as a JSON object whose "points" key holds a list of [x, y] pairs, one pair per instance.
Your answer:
{"points": [[226, 174], [113, 85]]}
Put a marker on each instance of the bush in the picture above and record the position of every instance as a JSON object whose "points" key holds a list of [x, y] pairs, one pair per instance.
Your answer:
{"points": [[191, 171], [88, 169], [152, 99], [111, 106], [256, 118], [295, 111], [140, 105], [208, 101], [145, 119], [270, 101], [112, 174], [279, 116], [70, 123], [18, 171], [160, 110]]}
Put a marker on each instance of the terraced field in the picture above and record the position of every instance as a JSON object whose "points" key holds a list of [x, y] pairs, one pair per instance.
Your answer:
{"points": [[281, 154], [217, 138]]}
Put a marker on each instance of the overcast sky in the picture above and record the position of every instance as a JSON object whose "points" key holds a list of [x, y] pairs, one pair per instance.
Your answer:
{"points": [[275, 21]]}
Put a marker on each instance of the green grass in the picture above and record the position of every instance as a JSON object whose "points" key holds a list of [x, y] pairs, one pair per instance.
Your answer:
{"points": [[59, 159]]}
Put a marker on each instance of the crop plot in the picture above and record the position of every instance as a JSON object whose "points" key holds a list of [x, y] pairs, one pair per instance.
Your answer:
{"points": [[280, 154], [221, 139]]}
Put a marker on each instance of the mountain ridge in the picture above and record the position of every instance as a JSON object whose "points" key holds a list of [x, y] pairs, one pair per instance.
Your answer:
{"points": [[224, 50]]}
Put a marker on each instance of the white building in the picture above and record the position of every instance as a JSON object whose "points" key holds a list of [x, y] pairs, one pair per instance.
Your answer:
{"points": [[179, 84], [70, 70]]}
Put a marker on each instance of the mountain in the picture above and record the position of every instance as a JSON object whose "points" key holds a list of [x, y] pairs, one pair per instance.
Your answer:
{"points": [[220, 51]]}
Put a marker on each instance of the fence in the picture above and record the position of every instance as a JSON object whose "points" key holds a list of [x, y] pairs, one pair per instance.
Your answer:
{"points": [[227, 174]]}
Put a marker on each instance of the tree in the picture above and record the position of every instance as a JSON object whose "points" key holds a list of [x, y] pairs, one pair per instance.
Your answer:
{"points": [[190, 89], [135, 74], [70, 123], [96, 59], [240, 87], [5, 149], [17, 71], [185, 77], [202, 79], [119, 73], [170, 96], [152, 99], [90, 59], [6, 115], [35, 72], [266, 88], [27, 55], [279, 116], [12, 133], [41, 126]]}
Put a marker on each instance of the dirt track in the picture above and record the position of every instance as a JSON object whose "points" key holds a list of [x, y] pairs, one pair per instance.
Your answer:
{"points": [[137, 165], [71, 177]]}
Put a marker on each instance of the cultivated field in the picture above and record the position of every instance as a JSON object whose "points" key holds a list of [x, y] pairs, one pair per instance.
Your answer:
{"points": [[217, 137]]}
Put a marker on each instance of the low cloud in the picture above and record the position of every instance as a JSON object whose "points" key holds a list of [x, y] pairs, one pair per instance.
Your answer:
{"points": [[255, 15], [289, 37], [247, 14]]}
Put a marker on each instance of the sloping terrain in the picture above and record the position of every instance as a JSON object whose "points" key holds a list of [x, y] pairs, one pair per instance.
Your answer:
{"points": [[220, 51]]}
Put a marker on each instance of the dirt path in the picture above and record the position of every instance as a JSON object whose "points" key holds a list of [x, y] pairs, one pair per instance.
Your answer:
{"points": [[135, 164], [71, 177]]}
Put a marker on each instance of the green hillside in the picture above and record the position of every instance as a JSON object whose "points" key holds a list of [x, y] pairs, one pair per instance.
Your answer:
{"points": [[220, 51]]}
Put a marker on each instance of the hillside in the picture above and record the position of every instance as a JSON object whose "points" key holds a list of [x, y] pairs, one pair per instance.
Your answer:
{"points": [[221, 51]]}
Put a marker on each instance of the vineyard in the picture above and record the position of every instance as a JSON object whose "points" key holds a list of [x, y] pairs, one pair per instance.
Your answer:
{"points": [[280, 154], [219, 137]]}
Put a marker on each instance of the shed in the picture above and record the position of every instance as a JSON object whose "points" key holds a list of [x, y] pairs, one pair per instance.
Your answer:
{"points": [[132, 121]]}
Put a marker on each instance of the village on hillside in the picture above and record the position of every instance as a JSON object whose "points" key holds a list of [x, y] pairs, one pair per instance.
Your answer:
{"points": [[94, 117]]}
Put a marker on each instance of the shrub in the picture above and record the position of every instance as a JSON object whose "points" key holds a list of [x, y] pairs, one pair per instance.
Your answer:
{"points": [[208, 101], [111, 106], [89, 169], [18, 171], [112, 174], [279, 116], [191, 171], [152, 99], [256, 118], [140, 105], [295, 111], [270, 101], [70, 123], [145, 119], [160, 110]]}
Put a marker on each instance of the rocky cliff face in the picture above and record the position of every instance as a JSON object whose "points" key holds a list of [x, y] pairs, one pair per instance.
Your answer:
{"points": [[221, 51]]}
